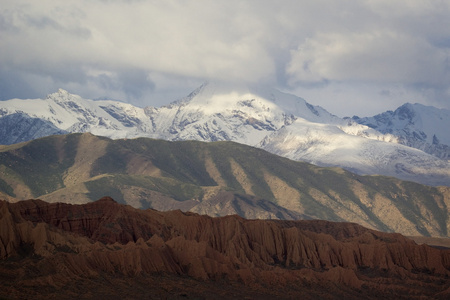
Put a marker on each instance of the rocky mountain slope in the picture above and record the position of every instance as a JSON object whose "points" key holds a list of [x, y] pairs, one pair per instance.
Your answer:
{"points": [[104, 249], [281, 123], [415, 125], [19, 127], [216, 178]]}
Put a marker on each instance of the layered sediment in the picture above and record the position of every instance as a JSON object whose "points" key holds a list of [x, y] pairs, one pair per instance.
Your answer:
{"points": [[50, 249]]}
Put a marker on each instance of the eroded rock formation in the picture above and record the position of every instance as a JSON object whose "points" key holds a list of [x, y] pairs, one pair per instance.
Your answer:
{"points": [[50, 249]]}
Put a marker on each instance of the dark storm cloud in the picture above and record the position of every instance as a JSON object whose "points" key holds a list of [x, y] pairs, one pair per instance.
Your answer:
{"points": [[13, 85], [133, 83]]}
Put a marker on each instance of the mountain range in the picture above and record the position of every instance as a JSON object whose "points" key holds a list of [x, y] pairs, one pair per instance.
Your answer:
{"points": [[191, 179], [415, 125], [411, 143], [217, 179], [111, 251]]}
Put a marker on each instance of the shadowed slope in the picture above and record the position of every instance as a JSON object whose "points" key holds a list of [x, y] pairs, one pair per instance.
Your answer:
{"points": [[60, 244]]}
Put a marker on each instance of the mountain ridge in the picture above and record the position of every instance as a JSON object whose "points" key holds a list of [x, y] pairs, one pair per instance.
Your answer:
{"points": [[54, 249], [415, 125], [281, 123], [217, 178]]}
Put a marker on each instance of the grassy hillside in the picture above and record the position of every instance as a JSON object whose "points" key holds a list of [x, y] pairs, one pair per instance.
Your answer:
{"points": [[200, 177]]}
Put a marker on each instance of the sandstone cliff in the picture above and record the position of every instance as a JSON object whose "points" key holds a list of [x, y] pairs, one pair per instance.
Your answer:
{"points": [[105, 248]]}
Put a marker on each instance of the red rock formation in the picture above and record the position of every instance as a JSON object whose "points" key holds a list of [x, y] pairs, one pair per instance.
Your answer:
{"points": [[65, 243]]}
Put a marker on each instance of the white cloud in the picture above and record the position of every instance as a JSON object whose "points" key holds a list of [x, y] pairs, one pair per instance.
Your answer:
{"points": [[135, 50], [363, 99], [377, 56]]}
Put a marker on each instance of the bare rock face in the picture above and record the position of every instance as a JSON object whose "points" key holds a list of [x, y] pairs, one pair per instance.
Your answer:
{"points": [[107, 249]]}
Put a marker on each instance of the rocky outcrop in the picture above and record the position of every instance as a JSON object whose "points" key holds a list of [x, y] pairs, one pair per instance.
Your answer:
{"points": [[60, 245]]}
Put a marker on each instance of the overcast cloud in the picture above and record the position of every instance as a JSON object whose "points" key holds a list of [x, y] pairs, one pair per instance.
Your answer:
{"points": [[351, 57]]}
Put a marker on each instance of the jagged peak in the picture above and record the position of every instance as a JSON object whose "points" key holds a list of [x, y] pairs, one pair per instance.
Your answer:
{"points": [[62, 95], [59, 92], [217, 96], [406, 111], [62, 91]]}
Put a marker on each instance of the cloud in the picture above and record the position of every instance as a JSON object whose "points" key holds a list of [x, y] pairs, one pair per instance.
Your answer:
{"points": [[146, 52], [377, 56]]}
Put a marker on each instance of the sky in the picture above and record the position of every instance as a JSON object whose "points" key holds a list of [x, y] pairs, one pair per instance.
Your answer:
{"points": [[359, 57]]}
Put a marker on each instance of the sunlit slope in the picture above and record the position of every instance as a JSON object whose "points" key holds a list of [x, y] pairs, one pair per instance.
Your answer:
{"points": [[216, 178]]}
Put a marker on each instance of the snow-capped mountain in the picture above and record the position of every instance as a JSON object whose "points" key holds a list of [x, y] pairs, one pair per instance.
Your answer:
{"points": [[415, 125], [244, 114], [327, 145], [20, 127], [280, 123], [65, 111], [214, 112]]}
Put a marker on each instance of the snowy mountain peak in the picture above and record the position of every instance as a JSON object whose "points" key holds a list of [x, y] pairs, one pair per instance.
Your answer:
{"points": [[216, 97], [405, 112], [258, 116], [62, 95], [416, 125], [68, 101], [62, 92]]}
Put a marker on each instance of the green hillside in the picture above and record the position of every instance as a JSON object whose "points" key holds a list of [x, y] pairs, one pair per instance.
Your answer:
{"points": [[200, 177]]}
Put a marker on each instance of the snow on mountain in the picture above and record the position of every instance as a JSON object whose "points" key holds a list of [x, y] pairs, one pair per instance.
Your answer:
{"points": [[19, 127], [244, 114], [70, 113], [134, 121], [415, 125], [327, 145], [281, 123], [213, 113]]}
